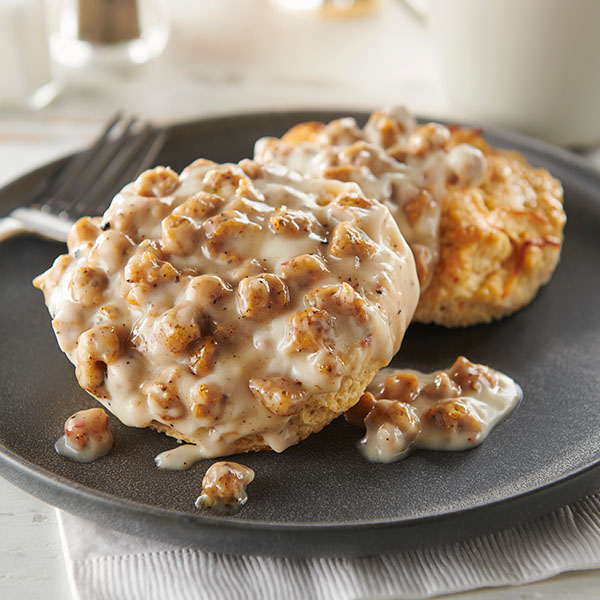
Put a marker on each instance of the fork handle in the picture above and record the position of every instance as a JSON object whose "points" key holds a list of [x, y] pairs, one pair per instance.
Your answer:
{"points": [[10, 227]]}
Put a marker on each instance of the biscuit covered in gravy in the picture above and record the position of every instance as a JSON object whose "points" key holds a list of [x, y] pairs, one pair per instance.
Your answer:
{"points": [[236, 307]]}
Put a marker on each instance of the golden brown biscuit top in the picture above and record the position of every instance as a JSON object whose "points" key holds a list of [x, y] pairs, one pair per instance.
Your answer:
{"points": [[218, 301], [501, 239]]}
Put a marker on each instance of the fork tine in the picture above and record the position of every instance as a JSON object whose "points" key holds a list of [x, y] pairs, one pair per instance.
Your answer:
{"points": [[90, 175], [124, 147], [69, 173], [150, 156], [120, 171], [135, 167]]}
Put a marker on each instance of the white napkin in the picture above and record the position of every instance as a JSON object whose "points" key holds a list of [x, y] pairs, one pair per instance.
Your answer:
{"points": [[107, 565]]}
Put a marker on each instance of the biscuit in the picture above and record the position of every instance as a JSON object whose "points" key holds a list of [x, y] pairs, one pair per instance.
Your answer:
{"points": [[500, 240], [485, 226], [232, 306]]}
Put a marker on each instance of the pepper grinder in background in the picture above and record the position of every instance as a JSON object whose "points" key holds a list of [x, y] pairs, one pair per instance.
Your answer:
{"points": [[111, 32]]}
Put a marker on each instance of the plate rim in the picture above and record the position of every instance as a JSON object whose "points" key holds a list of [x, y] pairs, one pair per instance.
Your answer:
{"points": [[19, 465], [13, 460], [533, 144]]}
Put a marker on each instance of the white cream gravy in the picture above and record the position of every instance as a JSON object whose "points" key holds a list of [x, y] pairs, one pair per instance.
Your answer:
{"points": [[412, 187], [86, 436], [486, 405]]}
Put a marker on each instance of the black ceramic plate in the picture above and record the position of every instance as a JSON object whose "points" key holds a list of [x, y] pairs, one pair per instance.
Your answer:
{"points": [[320, 497]]}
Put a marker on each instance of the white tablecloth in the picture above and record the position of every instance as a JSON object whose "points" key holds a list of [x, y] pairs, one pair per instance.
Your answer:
{"points": [[107, 565]]}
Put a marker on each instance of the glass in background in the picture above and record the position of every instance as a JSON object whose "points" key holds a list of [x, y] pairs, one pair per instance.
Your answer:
{"points": [[529, 65], [27, 79]]}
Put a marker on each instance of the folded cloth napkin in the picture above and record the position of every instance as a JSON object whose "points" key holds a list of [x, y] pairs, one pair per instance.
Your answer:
{"points": [[107, 565]]}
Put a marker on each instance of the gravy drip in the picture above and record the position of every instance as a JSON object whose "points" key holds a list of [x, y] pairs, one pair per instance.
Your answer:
{"points": [[182, 457]]}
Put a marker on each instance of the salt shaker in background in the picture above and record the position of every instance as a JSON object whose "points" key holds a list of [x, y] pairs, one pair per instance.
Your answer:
{"points": [[27, 79], [108, 32]]}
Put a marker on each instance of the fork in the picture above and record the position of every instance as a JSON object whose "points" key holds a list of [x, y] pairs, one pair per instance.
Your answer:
{"points": [[88, 181]]}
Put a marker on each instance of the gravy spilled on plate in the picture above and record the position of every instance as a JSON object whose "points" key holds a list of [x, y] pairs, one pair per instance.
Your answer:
{"points": [[86, 437], [451, 409], [224, 486]]}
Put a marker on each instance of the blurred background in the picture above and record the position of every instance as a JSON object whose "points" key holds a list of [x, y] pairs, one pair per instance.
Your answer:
{"points": [[530, 65], [211, 58], [68, 65]]}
